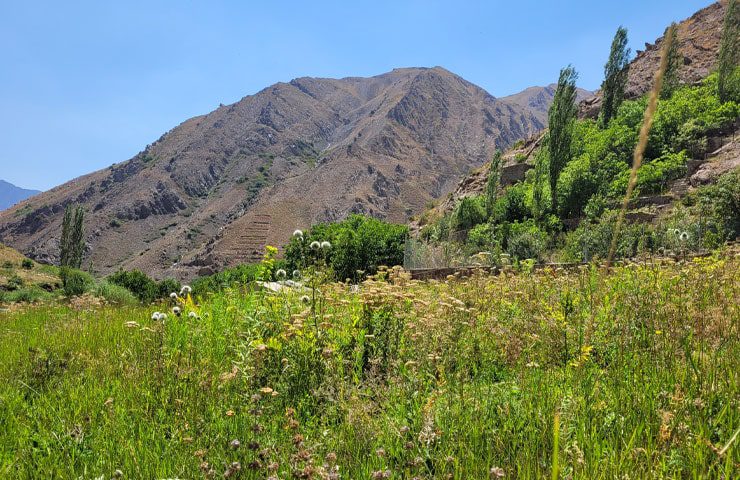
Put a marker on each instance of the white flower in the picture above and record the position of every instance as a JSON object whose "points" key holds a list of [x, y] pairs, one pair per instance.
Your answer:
{"points": [[173, 295], [298, 234], [684, 236], [305, 299], [325, 245], [296, 274], [155, 316], [315, 245], [185, 290], [192, 315], [281, 274], [176, 311]]}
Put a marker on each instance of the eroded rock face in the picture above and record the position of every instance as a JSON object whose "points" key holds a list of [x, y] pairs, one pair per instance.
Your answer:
{"points": [[216, 189]]}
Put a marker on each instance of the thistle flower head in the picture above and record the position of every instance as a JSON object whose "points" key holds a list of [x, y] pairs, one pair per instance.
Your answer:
{"points": [[325, 245], [305, 299], [676, 232], [298, 234], [185, 290], [281, 274], [684, 236], [155, 316], [192, 315], [176, 311], [296, 274], [173, 295], [315, 245]]}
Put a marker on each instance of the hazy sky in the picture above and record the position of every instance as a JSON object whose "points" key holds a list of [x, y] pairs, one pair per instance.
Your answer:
{"points": [[87, 84]]}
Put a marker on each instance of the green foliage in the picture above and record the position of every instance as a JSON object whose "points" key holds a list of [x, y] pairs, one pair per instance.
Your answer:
{"points": [[230, 278], [494, 179], [562, 115], [671, 79], [652, 177], [76, 282], [469, 212], [616, 71], [728, 82], [142, 286], [359, 245], [72, 245], [721, 203], [27, 264], [512, 205], [576, 185], [592, 240], [115, 294], [481, 237], [525, 240]]}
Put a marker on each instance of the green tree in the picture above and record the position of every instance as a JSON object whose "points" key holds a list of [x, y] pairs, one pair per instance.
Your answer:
{"points": [[670, 77], [729, 54], [494, 179], [540, 172], [615, 76], [72, 245], [562, 115]]}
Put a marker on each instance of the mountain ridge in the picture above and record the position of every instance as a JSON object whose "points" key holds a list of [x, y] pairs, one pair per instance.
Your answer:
{"points": [[11, 194]]}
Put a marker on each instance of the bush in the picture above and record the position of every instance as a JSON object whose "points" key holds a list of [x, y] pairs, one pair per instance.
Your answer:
{"points": [[524, 240], [470, 212], [721, 203], [239, 275], [75, 282], [27, 264], [576, 185], [115, 294], [359, 245], [481, 237], [512, 205], [142, 286], [652, 177]]}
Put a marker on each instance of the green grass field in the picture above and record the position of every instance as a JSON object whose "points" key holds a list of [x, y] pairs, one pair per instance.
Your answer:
{"points": [[590, 374]]}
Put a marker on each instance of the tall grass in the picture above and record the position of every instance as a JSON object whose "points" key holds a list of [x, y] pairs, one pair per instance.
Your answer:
{"points": [[628, 373]]}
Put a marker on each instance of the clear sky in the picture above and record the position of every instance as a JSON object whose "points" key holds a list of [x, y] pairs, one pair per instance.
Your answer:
{"points": [[84, 84]]}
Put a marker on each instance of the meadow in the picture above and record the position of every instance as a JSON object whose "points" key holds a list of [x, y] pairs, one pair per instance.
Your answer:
{"points": [[585, 373]]}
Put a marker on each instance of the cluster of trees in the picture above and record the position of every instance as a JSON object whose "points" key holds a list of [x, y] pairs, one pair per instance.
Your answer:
{"points": [[582, 169]]}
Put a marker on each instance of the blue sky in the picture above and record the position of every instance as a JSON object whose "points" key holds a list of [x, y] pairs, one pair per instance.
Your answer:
{"points": [[87, 84]]}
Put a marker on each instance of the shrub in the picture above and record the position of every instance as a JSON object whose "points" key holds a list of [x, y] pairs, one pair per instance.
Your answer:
{"points": [[481, 237], [524, 240], [27, 264], [358, 244], [721, 203], [576, 185], [239, 275], [470, 212], [653, 177], [144, 288], [115, 293], [512, 205], [75, 282]]}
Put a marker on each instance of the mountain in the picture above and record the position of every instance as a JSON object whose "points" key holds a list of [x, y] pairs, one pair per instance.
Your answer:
{"points": [[538, 99], [216, 189], [10, 194], [698, 42]]}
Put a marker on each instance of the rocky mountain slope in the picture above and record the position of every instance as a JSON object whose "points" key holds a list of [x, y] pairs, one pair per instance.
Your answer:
{"points": [[219, 187], [10, 194], [698, 42], [539, 99]]}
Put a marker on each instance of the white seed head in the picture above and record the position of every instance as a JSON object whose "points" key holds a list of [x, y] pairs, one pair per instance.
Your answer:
{"points": [[684, 236], [296, 274], [176, 311], [185, 290], [298, 234], [192, 315], [315, 245], [305, 299], [281, 274], [155, 316], [173, 295], [325, 245]]}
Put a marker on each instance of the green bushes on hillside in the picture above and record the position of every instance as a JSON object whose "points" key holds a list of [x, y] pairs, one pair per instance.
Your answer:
{"points": [[144, 288]]}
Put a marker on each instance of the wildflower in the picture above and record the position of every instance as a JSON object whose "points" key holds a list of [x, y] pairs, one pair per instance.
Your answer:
{"points": [[315, 245], [131, 324], [296, 275], [117, 474], [298, 234], [497, 472], [234, 444], [280, 274], [331, 458], [176, 311], [173, 295], [233, 468], [684, 236], [305, 299], [325, 245], [155, 316], [229, 413], [380, 452], [185, 290], [192, 315]]}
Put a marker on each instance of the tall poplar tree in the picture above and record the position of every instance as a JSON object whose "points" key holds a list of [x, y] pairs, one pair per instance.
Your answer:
{"points": [[561, 116], [615, 76], [670, 77], [729, 54], [494, 178]]}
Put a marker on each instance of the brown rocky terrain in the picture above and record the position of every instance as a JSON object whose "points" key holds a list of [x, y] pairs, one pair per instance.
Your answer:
{"points": [[216, 189], [698, 42]]}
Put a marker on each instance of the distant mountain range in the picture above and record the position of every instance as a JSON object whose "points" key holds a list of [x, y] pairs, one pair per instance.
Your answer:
{"points": [[10, 194], [216, 189]]}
